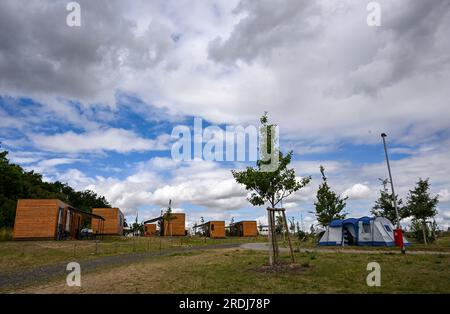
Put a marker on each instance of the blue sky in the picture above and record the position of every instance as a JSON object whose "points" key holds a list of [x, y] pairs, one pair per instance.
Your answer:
{"points": [[95, 106]]}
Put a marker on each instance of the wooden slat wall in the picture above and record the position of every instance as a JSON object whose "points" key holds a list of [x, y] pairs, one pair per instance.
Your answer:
{"points": [[150, 230], [112, 221], [249, 229], [219, 229], [178, 225], [36, 218]]}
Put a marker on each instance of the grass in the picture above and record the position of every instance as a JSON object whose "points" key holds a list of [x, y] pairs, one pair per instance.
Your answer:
{"points": [[442, 244], [15, 255], [237, 271]]}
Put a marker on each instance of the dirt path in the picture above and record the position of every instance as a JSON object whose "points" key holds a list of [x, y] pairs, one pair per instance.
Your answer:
{"points": [[45, 273], [265, 247]]}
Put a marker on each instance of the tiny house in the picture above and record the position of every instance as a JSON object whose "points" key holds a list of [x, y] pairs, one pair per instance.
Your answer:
{"points": [[113, 221], [50, 219], [176, 226], [149, 230], [212, 229], [245, 228]]}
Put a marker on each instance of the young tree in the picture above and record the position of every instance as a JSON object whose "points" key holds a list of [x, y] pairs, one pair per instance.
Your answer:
{"points": [[270, 187], [292, 225], [329, 205], [421, 206], [279, 226], [384, 206], [168, 217]]}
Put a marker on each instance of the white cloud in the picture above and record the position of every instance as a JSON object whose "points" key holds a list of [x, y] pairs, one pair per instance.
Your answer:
{"points": [[357, 191], [444, 195], [119, 140]]}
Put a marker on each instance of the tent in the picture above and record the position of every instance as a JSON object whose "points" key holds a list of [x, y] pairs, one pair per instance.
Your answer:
{"points": [[364, 231]]}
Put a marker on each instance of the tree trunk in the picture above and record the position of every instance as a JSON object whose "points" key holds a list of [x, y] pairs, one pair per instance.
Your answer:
{"points": [[424, 227], [269, 222]]}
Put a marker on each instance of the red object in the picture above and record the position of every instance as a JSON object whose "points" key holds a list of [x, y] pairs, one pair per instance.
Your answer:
{"points": [[398, 237]]}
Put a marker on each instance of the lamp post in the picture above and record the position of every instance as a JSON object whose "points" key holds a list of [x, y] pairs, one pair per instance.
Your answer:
{"points": [[399, 238]]}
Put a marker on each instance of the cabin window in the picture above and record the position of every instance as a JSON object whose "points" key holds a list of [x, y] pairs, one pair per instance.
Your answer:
{"points": [[388, 229], [366, 228], [212, 227]]}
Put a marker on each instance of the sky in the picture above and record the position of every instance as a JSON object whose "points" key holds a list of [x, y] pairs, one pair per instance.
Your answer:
{"points": [[95, 105]]}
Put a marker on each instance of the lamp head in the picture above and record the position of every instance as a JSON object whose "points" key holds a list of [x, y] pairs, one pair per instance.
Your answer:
{"points": [[383, 135]]}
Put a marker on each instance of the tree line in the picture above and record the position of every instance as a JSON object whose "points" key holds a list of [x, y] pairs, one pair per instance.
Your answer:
{"points": [[272, 187], [420, 206], [16, 183]]}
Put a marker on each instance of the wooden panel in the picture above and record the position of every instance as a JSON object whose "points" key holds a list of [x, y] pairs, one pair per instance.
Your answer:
{"points": [[177, 227], [113, 223], [249, 229], [218, 231], [149, 230], [36, 218]]}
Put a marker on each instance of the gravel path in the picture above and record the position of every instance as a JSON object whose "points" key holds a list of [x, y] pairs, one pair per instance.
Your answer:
{"points": [[265, 247], [45, 273]]}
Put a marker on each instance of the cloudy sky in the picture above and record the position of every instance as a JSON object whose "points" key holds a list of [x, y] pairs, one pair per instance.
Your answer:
{"points": [[95, 105]]}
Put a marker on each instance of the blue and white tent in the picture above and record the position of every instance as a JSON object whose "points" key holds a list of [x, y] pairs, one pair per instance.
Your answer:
{"points": [[364, 231]]}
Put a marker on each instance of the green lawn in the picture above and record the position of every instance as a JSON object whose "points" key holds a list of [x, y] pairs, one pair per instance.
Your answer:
{"points": [[239, 271], [15, 255], [442, 244]]}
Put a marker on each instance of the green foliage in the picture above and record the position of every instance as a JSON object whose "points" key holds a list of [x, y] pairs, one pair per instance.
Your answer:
{"points": [[279, 224], [417, 230], [168, 217], [329, 205], [270, 187], [421, 206], [17, 183], [384, 206], [302, 235]]}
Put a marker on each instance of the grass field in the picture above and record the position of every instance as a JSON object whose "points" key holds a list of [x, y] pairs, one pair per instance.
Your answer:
{"points": [[442, 244], [15, 255], [228, 270], [240, 271]]}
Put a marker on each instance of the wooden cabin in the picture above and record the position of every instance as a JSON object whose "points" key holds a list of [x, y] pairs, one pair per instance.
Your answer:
{"points": [[50, 219], [113, 224], [213, 229], [245, 228], [149, 230], [176, 227]]}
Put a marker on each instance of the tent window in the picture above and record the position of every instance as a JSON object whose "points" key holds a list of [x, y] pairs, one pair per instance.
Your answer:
{"points": [[388, 229], [366, 228]]}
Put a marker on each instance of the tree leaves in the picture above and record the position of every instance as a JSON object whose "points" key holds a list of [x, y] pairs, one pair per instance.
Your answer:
{"points": [[17, 183], [270, 187], [329, 205]]}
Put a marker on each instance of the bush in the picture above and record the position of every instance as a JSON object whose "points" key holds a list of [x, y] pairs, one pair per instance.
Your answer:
{"points": [[416, 231], [6, 234]]}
